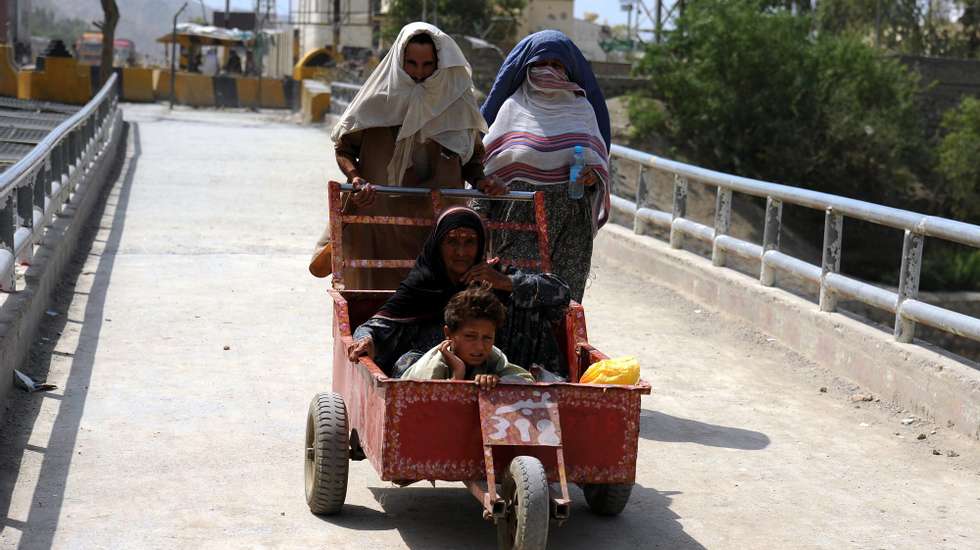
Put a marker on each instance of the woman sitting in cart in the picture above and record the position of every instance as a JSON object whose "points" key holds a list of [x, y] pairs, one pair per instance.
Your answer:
{"points": [[411, 321], [472, 319]]}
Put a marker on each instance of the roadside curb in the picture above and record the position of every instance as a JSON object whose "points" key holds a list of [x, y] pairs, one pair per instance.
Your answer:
{"points": [[916, 377]]}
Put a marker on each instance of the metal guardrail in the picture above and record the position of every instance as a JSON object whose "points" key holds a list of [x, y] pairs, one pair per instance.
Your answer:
{"points": [[908, 310], [38, 186], [341, 94], [833, 285]]}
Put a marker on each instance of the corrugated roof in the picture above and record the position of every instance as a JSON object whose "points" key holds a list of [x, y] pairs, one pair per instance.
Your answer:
{"points": [[23, 124]]}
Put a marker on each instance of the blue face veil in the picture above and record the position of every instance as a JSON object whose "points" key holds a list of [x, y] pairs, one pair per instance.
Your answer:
{"points": [[543, 46]]}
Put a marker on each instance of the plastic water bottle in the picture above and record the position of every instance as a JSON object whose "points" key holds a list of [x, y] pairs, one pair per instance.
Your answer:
{"points": [[576, 187]]}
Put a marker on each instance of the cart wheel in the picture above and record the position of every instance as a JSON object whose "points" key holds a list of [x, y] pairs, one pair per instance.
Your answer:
{"points": [[525, 489], [607, 499], [327, 454]]}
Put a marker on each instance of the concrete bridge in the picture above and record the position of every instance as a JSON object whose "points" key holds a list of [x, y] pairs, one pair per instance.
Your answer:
{"points": [[185, 338]]}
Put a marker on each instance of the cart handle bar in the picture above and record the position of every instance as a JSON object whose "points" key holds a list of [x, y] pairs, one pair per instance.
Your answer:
{"points": [[459, 193]]}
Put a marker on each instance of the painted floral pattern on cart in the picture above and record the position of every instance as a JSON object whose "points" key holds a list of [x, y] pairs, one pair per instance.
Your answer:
{"points": [[519, 417]]}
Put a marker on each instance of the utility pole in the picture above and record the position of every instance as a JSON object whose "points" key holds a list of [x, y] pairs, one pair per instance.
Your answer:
{"points": [[336, 30], [878, 24], [173, 56], [659, 23], [227, 13], [260, 22], [629, 23]]}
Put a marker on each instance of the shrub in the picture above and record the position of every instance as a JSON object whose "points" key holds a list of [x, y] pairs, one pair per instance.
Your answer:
{"points": [[751, 90], [959, 159]]}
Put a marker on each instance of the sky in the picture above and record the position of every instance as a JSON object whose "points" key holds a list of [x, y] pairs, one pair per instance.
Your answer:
{"points": [[608, 10]]}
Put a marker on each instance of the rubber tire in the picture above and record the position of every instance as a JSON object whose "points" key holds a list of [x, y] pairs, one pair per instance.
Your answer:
{"points": [[326, 471], [525, 488], [607, 499]]}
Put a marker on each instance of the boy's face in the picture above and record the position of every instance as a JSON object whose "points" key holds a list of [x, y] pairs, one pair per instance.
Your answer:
{"points": [[472, 341]]}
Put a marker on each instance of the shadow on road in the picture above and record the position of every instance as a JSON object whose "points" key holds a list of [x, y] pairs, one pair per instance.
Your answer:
{"points": [[658, 426], [15, 435], [443, 517]]}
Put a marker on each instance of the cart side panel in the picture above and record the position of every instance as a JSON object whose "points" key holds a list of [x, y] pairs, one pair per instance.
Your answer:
{"points": [[574, 329], [600, 426], [432, 431], [361, 387]]}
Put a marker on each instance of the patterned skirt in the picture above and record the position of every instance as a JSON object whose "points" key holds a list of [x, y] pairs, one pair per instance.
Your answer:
{"points": [[569, 232]]}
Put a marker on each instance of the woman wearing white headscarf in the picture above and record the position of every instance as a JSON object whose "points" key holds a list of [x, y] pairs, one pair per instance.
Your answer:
{"points": [[414, 123]]}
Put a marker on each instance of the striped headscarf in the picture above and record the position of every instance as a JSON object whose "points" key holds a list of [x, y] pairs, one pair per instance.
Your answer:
{"points": [[535, 133]]}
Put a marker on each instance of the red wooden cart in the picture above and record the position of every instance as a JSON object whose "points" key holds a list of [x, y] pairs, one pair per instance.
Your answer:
{"points": [[515, 447]]}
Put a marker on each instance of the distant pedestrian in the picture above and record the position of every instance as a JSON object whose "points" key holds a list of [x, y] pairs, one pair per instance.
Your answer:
{"points": [[211, 64], [249, 63], [194, 62], [234, 64], [545, 102]]}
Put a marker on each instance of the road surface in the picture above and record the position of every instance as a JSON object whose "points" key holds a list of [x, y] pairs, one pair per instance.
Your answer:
{"points": [[187, 343]]}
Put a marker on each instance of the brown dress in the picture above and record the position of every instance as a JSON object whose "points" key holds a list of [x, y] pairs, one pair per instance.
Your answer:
{"points": [[366, 153]]}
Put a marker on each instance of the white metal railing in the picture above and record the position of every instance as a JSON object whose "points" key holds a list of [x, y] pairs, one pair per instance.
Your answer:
{"points": [[341, 94], [833, 285], [37, 187]]}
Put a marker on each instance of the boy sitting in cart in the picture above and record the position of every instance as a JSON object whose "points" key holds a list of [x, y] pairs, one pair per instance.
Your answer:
{"points": [[472, 319]]}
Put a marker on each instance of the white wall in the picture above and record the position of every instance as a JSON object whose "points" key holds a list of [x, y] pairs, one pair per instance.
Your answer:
{"points": [[560, 15], [355, 27], [586, 36], [548, 14], [278, 61]]}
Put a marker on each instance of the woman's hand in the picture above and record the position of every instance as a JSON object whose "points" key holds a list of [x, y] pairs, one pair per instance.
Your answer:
{"points": [[364, 193], [484, 272], [361, 348], [486, 381], [590, 177], [455, 363], [491, 186]]}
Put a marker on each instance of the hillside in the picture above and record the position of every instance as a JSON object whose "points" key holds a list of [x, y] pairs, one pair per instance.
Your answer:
{"points": [[142, 21]]}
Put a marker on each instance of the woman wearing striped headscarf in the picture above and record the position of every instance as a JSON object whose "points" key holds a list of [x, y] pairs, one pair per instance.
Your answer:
{"points": [[545, 102]]}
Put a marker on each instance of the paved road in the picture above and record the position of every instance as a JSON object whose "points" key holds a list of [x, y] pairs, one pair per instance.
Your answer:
{"points": [[160, 437]]}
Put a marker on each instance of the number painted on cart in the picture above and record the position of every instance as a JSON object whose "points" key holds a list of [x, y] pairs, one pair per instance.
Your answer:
{"points": [[529, 420]]}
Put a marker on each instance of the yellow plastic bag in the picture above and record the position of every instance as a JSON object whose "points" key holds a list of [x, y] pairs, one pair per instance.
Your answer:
{"points": [[624, 371]]}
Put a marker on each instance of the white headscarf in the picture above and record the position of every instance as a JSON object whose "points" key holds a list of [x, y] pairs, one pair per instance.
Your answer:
{"points": [[442, 108]]}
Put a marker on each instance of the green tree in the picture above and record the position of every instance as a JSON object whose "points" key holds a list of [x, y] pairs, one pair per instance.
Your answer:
{"points": [[749, 89], [914, 27], [970, 22], [493, 19], [959, 159], [44, 23], [108, 24]]}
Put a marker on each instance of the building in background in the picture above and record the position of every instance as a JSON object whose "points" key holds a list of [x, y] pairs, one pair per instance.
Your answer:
{"points": [[15, 27], [547, 14], [244, 20], [560, 15], [588, 35], [276, 39], [353, 23]]}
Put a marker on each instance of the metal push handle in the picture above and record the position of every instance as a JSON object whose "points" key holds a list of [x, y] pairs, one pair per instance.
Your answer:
{"points": [[455, 193]]}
